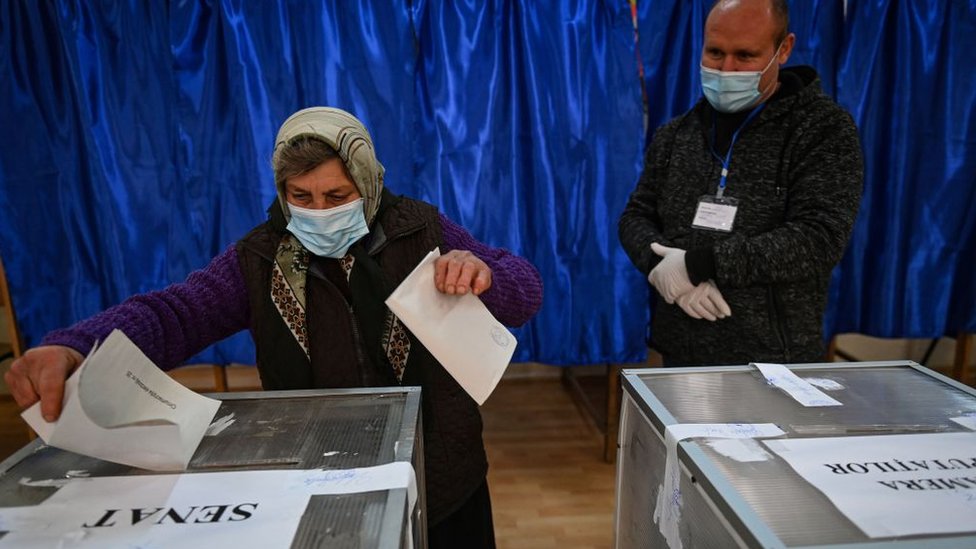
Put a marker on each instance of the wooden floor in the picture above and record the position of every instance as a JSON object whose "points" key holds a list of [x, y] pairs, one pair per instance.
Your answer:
{"points": [[549, 485]]}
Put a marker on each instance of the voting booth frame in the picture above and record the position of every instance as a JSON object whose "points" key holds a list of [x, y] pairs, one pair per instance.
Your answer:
{"points": [[333, 429], [729, 502]]}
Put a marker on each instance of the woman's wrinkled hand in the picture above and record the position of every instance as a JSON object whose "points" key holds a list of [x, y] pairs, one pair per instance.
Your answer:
{"points": [[459, 271], [40, 375]]}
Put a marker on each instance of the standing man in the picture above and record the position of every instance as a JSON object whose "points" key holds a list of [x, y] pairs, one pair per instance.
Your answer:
{"points": [[746, 201]]}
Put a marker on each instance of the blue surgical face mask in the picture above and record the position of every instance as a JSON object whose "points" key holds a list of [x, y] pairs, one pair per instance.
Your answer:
{"points": [[732, 91], [330, 232]]}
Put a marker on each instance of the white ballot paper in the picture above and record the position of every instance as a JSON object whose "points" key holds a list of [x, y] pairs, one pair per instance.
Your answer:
{"points": [[801, 390], [892, 485], [967, 420], [458, 330], [224, 509], [118, 406]]}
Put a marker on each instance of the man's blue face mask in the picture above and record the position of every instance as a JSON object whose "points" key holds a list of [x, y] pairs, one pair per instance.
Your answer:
{"points": [[730, 92], [330, 232]]}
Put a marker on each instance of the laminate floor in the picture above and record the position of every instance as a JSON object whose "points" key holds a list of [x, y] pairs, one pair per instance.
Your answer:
{"points": [[549, 484]]}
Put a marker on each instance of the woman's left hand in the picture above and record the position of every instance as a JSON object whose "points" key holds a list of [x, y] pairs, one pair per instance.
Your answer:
{"points": [[459, 271]]}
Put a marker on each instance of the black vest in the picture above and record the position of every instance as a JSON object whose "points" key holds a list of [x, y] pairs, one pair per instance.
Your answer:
{"points": [[342, 335]]}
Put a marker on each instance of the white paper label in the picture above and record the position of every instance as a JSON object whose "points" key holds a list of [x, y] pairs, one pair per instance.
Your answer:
{"points": [[801, 391], [711, 215], [892, 485], [667, 511], [225, 509], [967, 420]]}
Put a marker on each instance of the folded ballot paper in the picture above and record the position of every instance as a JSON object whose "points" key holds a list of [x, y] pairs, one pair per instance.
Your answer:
{"points": [[118, 406], [458, 330]]}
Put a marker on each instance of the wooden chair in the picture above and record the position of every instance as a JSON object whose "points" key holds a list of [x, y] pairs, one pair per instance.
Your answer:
{"points": [[202, 378], [15, 347], [960, 370], [242, 377], [964, 353], [12, 349], [217, 378]]}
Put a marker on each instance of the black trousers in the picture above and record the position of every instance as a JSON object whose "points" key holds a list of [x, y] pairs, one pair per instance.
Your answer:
{"points": [[469, 527]]}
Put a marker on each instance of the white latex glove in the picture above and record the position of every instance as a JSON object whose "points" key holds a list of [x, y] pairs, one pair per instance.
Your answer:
{"points": [[704, 301], [670, 277]]}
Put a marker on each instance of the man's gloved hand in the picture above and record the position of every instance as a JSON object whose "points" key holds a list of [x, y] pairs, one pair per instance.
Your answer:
{"points": [[670, 277], [704, 301]]}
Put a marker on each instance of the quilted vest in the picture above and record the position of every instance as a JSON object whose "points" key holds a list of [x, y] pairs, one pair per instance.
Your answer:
{"points": [[404, 232]]}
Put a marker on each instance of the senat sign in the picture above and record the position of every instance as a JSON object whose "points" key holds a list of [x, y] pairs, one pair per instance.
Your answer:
{"points": [[170, 515]]}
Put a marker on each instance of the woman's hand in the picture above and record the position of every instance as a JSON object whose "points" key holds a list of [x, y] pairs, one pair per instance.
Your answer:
{"points": [[459, 271], [40, 375]]}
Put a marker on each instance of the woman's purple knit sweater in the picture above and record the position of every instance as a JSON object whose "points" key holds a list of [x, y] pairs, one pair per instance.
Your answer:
{"points": [[175, 323]]}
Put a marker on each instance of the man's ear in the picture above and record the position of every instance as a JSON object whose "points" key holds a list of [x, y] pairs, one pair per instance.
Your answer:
{"points": [[786, 49]]}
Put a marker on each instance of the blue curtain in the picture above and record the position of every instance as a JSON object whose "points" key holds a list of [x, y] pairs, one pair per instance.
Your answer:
{"points": [[139, 136], [93, 209], [907, 77], [670, 41], [531, 138], [144, 131], [819, 29]]}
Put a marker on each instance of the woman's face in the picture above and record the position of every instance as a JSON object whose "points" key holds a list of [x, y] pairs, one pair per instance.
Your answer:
{"points": [[324, 187]]}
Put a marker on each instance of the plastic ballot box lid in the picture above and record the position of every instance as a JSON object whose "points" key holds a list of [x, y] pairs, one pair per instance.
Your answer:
{"points": [[340, 431]]}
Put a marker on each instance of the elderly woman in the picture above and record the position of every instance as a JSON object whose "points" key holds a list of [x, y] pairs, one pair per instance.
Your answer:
{"points": [[310, 285]]}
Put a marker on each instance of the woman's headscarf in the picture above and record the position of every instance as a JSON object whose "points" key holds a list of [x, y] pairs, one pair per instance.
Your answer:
{"points": [[347, 135]]}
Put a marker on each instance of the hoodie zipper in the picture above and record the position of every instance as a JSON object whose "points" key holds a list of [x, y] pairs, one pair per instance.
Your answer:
{"points": [[777, 318], [353, 322]]}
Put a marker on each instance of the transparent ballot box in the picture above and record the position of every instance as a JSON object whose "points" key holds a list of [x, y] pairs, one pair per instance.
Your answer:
{"points": [[837, 475], [328, 432]]}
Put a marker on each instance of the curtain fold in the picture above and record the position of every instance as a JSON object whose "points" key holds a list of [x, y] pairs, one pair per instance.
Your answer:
{"points": [[819, 29], [531, 132], [906, 76], [670, 42], [87, 99]]}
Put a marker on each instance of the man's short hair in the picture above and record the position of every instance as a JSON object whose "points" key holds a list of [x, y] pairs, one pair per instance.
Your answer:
{"points": [[781, 13]]}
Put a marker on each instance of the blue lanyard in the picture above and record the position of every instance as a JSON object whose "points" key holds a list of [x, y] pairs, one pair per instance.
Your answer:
{"points": [[728, 156]]}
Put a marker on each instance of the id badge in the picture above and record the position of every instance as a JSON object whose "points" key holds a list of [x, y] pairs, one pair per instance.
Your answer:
{"points": [[715, 213]]}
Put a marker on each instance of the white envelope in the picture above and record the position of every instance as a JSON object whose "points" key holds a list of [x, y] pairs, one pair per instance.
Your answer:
{"points": [[118, 406], [458, 330]]}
